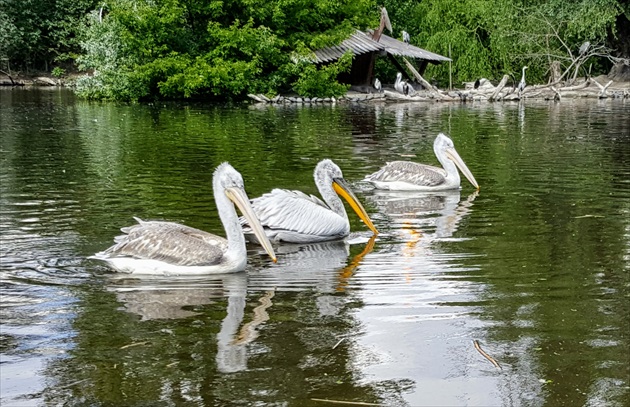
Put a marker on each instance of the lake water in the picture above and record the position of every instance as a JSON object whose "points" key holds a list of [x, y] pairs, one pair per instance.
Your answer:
{"points": [[535, 267]]}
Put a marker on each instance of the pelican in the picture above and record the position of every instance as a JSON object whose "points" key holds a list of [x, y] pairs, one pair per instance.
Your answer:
{"points": [[522, 84], [406, 37], [167, 248], [294, 217], [377, 85], [410, 176], [402, 86]]}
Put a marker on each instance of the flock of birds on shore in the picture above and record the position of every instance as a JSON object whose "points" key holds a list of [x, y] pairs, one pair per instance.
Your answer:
{"points": [[168, 248]]}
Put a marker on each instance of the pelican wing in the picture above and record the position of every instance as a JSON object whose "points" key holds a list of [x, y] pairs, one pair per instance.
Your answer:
{"points": [[295, 211], [169, 242], [409, 172]]}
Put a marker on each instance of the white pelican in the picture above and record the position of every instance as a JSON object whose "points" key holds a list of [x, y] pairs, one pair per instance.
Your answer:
{"points": [[406, 37], [377, 85], [294, 217], [402, 86], [156, 247], [522, 84], [410, 176]]}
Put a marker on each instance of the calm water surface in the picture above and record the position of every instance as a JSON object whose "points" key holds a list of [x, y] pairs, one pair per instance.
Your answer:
{"points": [[535, 267]]}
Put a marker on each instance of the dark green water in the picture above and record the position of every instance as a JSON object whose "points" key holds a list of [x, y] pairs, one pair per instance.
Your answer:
{"points": [[535, 266]]}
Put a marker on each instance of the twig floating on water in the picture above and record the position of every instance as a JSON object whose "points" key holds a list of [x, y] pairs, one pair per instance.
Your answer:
{"points": [[485, 355], [337, 344], [350, 403], [134, 344]]}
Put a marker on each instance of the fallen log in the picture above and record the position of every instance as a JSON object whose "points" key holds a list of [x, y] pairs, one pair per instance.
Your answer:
{"points": [[420, 79], [602, 89], [499, 88]]}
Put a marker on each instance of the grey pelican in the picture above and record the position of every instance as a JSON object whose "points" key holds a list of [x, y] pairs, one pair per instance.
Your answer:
{"points": [[402, 86], [522, 84], [168, 248], [406, 37], [410, 176], [294, 217]]}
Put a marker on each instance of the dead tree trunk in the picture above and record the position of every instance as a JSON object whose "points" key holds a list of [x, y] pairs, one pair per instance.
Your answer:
{"points": [[499, 88]]}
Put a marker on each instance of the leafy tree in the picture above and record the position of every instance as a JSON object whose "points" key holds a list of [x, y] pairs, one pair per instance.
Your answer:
{"points": [[193, 48], [495, 37], [34, 34]]}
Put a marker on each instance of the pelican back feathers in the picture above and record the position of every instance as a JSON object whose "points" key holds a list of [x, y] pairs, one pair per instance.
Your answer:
{"points": [[419, 175], [168, 242]]}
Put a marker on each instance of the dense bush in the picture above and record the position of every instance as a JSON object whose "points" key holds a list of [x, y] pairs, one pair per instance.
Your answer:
{"points": [[144, 49], [174, 49], [38, 34], [490, 38]]}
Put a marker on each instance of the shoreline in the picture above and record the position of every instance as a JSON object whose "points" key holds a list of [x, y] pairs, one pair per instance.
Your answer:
{"points": [[600, 87]]}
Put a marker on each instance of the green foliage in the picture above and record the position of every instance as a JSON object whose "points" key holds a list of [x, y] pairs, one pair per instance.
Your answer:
{"points": [[322, 81], [58, 72], [139, 49], [34, 33], [177, 48], [497, 37]]}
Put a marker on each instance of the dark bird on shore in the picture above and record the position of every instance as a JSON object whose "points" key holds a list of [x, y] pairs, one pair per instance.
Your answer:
{"points": [[477, 83], [522, 84]]}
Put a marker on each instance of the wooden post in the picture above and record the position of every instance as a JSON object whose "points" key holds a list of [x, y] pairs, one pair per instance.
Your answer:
{"points": [[450, 69]]}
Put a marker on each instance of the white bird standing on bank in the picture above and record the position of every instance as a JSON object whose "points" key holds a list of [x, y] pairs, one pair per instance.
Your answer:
{"points": [[294, 217], [406, 37], [402, 86], [377, 85], [522, 84], [410, 176], [168, 248]]}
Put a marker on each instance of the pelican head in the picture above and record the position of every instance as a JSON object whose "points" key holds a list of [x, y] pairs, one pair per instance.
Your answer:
{"points": [[445, 149], [230, 181], [329, 173]]}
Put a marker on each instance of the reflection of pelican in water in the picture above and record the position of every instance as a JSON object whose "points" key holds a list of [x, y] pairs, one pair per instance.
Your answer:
{"points": [[324, 266], [428, 215], [410, 176], [293, 216], [154, 247], [155, 298]]}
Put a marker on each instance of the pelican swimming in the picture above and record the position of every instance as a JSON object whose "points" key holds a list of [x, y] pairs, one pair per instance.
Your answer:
{"points": [[410, 176], [402, 86], [295, 217], [157, 247]]}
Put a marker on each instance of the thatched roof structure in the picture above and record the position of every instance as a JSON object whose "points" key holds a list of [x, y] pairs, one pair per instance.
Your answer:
{"points": [[365, 50], [360, 43]]}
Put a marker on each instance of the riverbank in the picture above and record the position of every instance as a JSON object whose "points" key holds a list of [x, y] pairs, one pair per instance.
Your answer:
{"points": [[600, 87]]}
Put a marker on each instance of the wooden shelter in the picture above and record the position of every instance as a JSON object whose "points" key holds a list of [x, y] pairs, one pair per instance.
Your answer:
{"points": [[366, 47]]}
